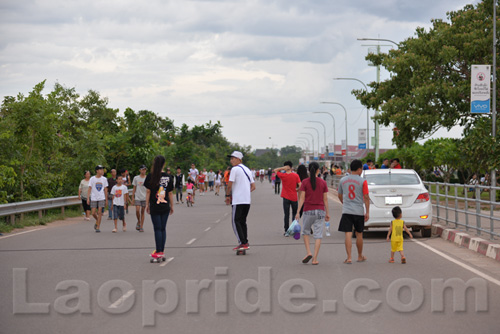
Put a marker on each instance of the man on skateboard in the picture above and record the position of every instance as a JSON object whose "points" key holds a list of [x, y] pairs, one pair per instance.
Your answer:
{"points": [[239, 188]]}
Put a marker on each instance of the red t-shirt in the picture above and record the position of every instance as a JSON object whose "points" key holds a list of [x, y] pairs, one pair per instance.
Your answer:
{"points": [[201, 178], [314, 198], [289, 185]]}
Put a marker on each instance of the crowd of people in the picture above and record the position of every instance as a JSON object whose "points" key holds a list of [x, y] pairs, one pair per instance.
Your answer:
{"points": [[303, 192]]}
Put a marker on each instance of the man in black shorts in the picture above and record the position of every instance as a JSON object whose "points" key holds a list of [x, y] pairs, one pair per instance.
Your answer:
{"points": [[353, 192]]}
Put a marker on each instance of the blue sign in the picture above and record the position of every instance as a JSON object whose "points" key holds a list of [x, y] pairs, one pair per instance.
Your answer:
{"points": [[362, 146], [480, 106], [331, 154], [316, 158]]}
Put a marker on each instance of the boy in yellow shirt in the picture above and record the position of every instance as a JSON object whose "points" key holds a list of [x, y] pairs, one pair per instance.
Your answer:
{"points": [[396, 234]]}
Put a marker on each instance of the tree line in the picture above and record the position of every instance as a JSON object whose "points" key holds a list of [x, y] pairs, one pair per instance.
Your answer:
{"points": [[48, 141]]}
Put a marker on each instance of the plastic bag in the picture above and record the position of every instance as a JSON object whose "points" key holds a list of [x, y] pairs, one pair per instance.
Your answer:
{"points": [[294, 229]]}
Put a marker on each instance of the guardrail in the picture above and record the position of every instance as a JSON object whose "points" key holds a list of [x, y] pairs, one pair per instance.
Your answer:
{"points": [[19, 208], [483, 221]]}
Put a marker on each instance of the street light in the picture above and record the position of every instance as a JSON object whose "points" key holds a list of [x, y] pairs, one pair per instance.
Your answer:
{"points": [[324, 128], [333, 119], [367, 118], [307, 141], [312, 137], [301, 144], [378, 39], [346, 135], [317, 132]]}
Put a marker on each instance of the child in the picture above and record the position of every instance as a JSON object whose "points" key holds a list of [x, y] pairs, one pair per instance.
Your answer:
{"points": [[120, 197], [396, 234], [189, 189]]}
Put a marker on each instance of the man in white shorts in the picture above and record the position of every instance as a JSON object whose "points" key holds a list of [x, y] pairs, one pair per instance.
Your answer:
{"points": [[97, 194]]}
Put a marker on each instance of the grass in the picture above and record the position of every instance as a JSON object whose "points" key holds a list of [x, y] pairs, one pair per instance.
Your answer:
{"points": [[485, 196], [31, 218]]}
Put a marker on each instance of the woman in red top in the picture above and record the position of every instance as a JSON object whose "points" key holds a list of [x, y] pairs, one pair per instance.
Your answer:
{"points": [[314, 199]]}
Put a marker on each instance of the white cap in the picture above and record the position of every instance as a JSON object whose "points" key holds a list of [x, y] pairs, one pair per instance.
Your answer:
{"points": [[236, 154]]}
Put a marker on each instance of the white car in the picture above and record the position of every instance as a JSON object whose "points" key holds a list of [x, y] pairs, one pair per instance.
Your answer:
{"points": [[398, 187]]}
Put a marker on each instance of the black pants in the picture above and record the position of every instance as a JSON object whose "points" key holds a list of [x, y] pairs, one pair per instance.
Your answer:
{"points": [[240, 213], [286, 209], [178, 192], [277, 186]]}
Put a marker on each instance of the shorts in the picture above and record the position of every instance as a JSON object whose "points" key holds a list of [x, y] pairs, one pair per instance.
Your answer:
{"points": [[314, 219], [217, 183], [348, 221], [189, 191], [97, 204], [396, 246], [86, 207], [118, 212], [210, 183], [140, 203]]}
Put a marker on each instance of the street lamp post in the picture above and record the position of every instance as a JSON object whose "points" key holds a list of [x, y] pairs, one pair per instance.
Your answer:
{"points": [[312, 138], [367, 112], [306, 140], [333, 119], [324, 129], [346, 134], [317, 132], [379, 40]]}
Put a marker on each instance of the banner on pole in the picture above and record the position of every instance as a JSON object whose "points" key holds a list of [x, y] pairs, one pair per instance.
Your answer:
{"points": [[344, 147], [480, 89], [362, 139]]}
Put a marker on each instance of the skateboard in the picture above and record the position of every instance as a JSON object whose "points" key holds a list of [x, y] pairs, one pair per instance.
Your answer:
{"points": [[241, 252], [157, 259]]}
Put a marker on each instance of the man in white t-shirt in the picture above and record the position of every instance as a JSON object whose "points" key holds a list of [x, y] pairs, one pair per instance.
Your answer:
{"points": [[239, 188], [120, 197], [139, 197], [193, 175], [97, 194]]}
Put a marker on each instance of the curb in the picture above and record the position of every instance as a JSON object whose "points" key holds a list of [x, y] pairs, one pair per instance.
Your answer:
{"points": [[461, 239]]}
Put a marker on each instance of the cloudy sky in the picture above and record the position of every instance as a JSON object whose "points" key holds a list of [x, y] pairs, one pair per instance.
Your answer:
{"points": [[260, 67]]}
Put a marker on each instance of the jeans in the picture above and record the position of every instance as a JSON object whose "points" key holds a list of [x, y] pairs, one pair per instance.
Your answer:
{"points": [[277, 186], [160, 229], [286, 209], [178, 191], [110, 212]]}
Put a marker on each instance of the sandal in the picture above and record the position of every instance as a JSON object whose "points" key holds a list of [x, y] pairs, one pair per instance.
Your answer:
{"points": [[114, 230], [307, 259], [403, 260], [348, 261], [391, 260], [363, 259]]}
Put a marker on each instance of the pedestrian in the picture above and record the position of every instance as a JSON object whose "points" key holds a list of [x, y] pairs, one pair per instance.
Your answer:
{"points": [[217, 182], [205, 173], [97, 194], [139, 197], [302, 173], [325, 173], [291, 183], [261, 174], [226, 179], [126, 182], [314, 201], [159, 203], [239, 189], [369, 165], [385, 164], [352, 192], [395, 163], [119, 192], [193, 175], [190, 191], [111, 183], [201, 183], [211, 179], [277, 183], [396, 234], [179, 184], [83, 192]]}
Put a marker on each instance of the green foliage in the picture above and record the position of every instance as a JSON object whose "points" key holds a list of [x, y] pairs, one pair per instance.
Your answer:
{"points": [[429, 86]]}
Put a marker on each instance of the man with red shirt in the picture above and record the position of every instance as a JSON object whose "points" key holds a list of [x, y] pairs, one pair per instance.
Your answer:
{"points": [[290, 183]]}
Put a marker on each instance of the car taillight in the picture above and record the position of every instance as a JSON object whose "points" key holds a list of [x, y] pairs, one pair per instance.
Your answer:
{"points": [[424, 197]]}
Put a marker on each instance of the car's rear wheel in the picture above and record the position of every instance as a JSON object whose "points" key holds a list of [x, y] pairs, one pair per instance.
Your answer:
{"points": [[426, 232]]}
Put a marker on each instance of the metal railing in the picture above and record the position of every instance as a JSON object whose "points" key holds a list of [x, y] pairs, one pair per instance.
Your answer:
{"points": [[448, 207], [19, 208]]}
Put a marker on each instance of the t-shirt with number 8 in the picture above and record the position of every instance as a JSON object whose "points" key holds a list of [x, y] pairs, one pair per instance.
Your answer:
{"points": [[353, 187]]}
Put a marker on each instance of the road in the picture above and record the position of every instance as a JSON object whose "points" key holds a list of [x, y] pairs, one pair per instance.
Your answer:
{"points": [[67, 278]]}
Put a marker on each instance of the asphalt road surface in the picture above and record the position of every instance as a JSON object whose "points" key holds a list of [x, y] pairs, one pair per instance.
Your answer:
{"points": [[68, 279]]}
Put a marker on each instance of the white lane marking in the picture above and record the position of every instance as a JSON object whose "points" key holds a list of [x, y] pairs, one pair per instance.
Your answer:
{"points": [[207, 229], [122, 299], [12, 235], [166, 262], [217, 221], [191, 241], [463, 265]]}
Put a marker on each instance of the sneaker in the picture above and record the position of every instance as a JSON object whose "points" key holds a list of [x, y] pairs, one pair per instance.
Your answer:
{"points": [[154, 255], [97, 230], [137, 227], [160, 255], [114, 230], [403, 260], [286, 234], [95, 226], [391, 260], [141, 230], [238, 247], [245, 246]]}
